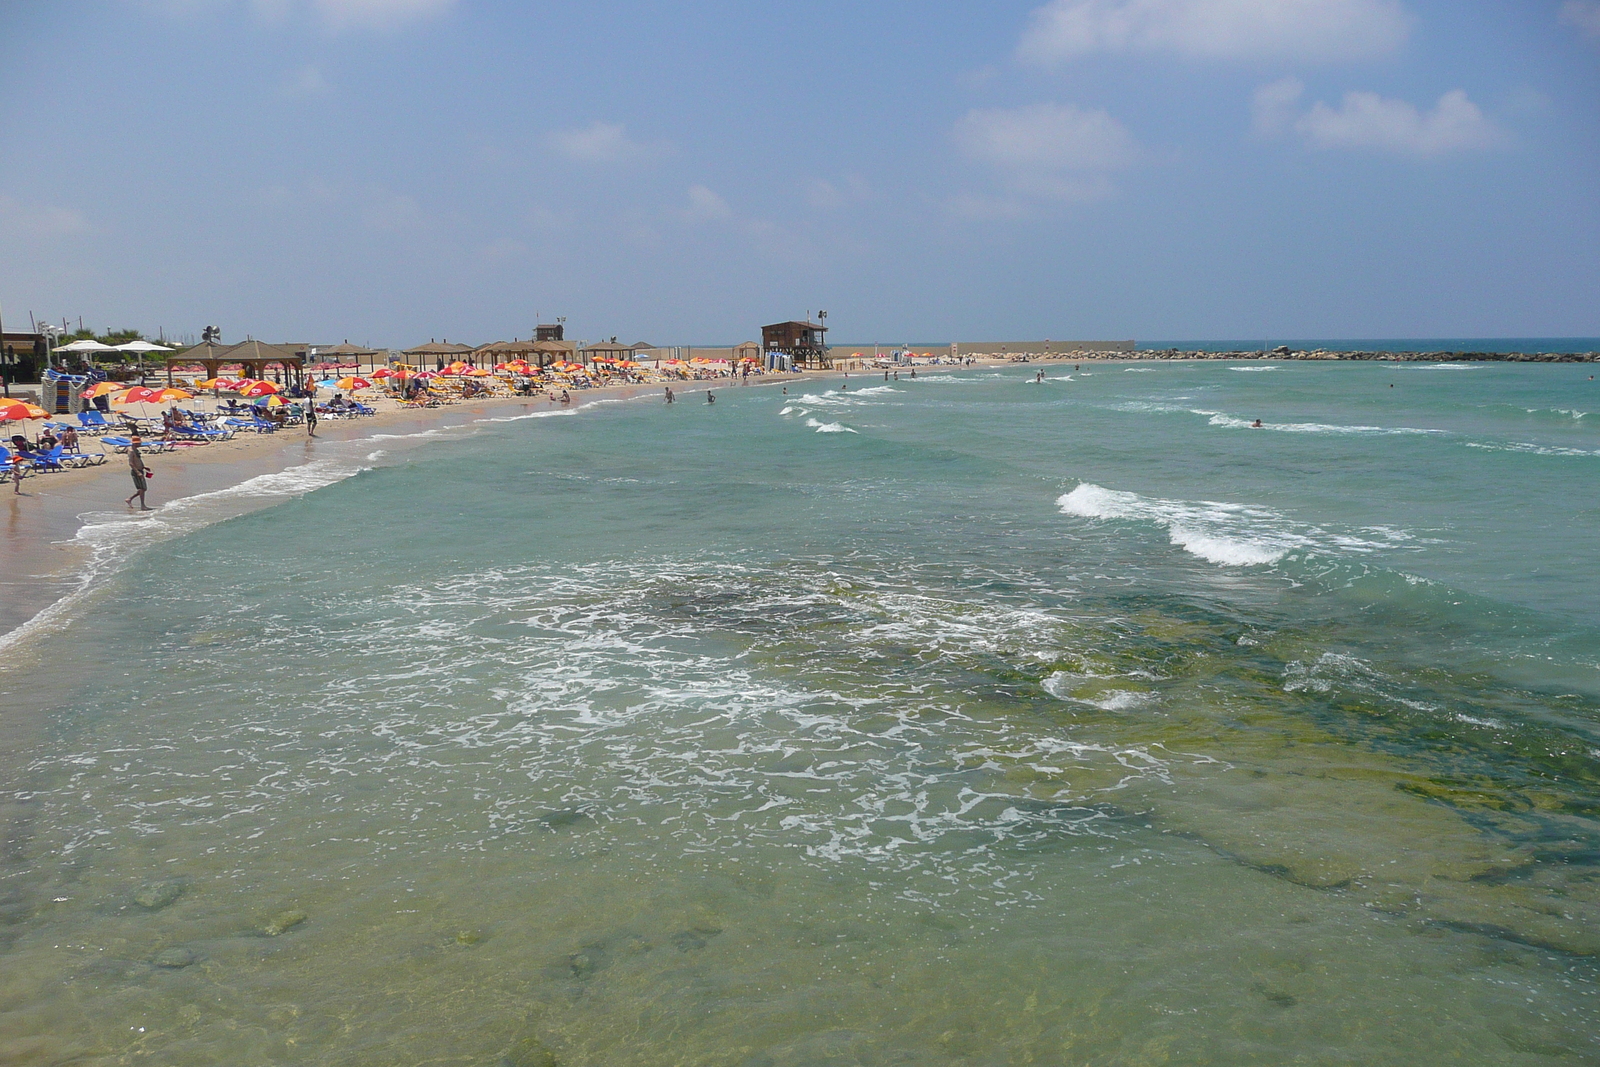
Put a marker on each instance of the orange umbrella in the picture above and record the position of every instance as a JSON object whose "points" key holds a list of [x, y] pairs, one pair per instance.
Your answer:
{"points": [[17, 410], [259, 389], [100, 389], [138, 395], [349, 384], [164, 395]]}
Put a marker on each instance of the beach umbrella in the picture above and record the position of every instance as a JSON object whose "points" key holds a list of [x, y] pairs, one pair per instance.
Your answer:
{"points": [[138, 395], [86, 346], [18, 410], [100, 389], [383, 372], [259, 388], [272, 401], [352, 384]]}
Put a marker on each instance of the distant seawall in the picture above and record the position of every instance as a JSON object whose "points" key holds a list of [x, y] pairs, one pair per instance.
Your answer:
{"points": [[1397, 357]]}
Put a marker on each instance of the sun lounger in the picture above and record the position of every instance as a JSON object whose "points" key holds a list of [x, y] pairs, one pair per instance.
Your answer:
{"points": [[83, 459], [200, 433], [254, 425], [93, 422], [48, 461]]}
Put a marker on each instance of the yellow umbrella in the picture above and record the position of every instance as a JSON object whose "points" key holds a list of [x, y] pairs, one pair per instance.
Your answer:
{"points": [[17, 410], [100, 389]]}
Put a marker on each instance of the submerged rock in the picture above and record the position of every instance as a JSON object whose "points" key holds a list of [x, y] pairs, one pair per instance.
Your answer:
{"points": [[153, 896], [468, 937], [528, 1052], [695, 938], [282, 921], [557, 820], [174, 958]]}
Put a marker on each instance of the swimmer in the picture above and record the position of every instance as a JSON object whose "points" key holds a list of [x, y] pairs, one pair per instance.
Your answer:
{"points": [[669, 394], [1257, 425], [710, 397]]}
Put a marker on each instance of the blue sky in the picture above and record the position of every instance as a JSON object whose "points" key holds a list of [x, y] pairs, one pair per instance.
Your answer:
{"points": [[393, 170]]}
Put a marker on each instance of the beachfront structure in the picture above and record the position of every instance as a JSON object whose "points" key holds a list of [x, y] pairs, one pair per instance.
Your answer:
{"points": [[553, 331], [255, 359], [605, 350], [22, 355], [555, 351], [805, 342]]}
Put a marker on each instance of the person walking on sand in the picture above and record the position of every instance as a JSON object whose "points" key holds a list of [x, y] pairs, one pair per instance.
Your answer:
{"points": [[311, 418], [18, 468], [141, 475]]}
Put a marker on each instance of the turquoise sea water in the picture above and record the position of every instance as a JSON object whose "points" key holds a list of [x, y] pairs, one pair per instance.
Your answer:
{"points": [[969, 720]]}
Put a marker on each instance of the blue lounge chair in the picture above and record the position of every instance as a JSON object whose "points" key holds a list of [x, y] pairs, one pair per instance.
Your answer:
{"points": [[93, 422], [254, 425], [201, 433], [122, 444], [48, 461], [83, 459]]}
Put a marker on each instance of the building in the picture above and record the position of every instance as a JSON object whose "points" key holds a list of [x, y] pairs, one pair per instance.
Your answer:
{"points": [[253, 357], [805, 341], [22, 355], [552, 332]]}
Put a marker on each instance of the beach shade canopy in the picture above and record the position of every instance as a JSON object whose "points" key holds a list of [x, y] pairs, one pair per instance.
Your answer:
{"points": [[328, 383], [17, 410], [169, 393], [353, 383], [100, 389], [86, 346], [141, 346], [259, 388], [271, 401]]}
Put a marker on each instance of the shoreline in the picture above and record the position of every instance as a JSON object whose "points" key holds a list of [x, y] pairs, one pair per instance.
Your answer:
{"points": [[48, 560], [50, 563]]}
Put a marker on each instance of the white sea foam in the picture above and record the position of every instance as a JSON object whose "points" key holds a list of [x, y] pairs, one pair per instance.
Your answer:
{"points": [[1233, 422], [1252, 370], [1238, 535], [1065, 685], [532, 415], [1532, 449], [829, 427]]}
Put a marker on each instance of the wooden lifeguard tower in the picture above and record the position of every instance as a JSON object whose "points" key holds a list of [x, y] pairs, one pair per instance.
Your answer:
{"points": [[803, 342]]}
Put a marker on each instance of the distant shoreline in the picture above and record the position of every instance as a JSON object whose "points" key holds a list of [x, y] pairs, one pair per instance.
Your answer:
{"points": [[1329, 355]]}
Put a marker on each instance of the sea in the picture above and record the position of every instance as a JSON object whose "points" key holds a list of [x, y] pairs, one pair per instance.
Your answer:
{"points": [[990, 717]]}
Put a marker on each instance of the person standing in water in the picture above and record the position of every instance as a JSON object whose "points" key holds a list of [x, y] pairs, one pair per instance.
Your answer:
{"points": [[710, 397], [669, 394], [141, 475], [311, 418]]}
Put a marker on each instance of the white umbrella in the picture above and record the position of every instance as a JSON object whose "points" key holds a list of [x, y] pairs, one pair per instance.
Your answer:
{"points": [[86, 346], [138, 346]]}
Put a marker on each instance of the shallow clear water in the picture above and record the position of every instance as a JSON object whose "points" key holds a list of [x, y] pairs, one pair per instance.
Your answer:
{"points": [[964, 720]]}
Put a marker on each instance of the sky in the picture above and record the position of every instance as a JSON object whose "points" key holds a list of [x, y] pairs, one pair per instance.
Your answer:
{"points": [[392, 171]]}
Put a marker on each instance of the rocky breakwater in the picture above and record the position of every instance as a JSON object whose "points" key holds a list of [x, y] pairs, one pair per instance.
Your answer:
{"points": [[1285, 352]]}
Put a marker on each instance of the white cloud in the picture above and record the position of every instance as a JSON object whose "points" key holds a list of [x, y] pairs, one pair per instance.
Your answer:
{"points": [[40, 220], [1367, 120], [1273, 106], [1310, 30], [706, 206], [1052, 151], [600, 142], [1585, 15]]}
